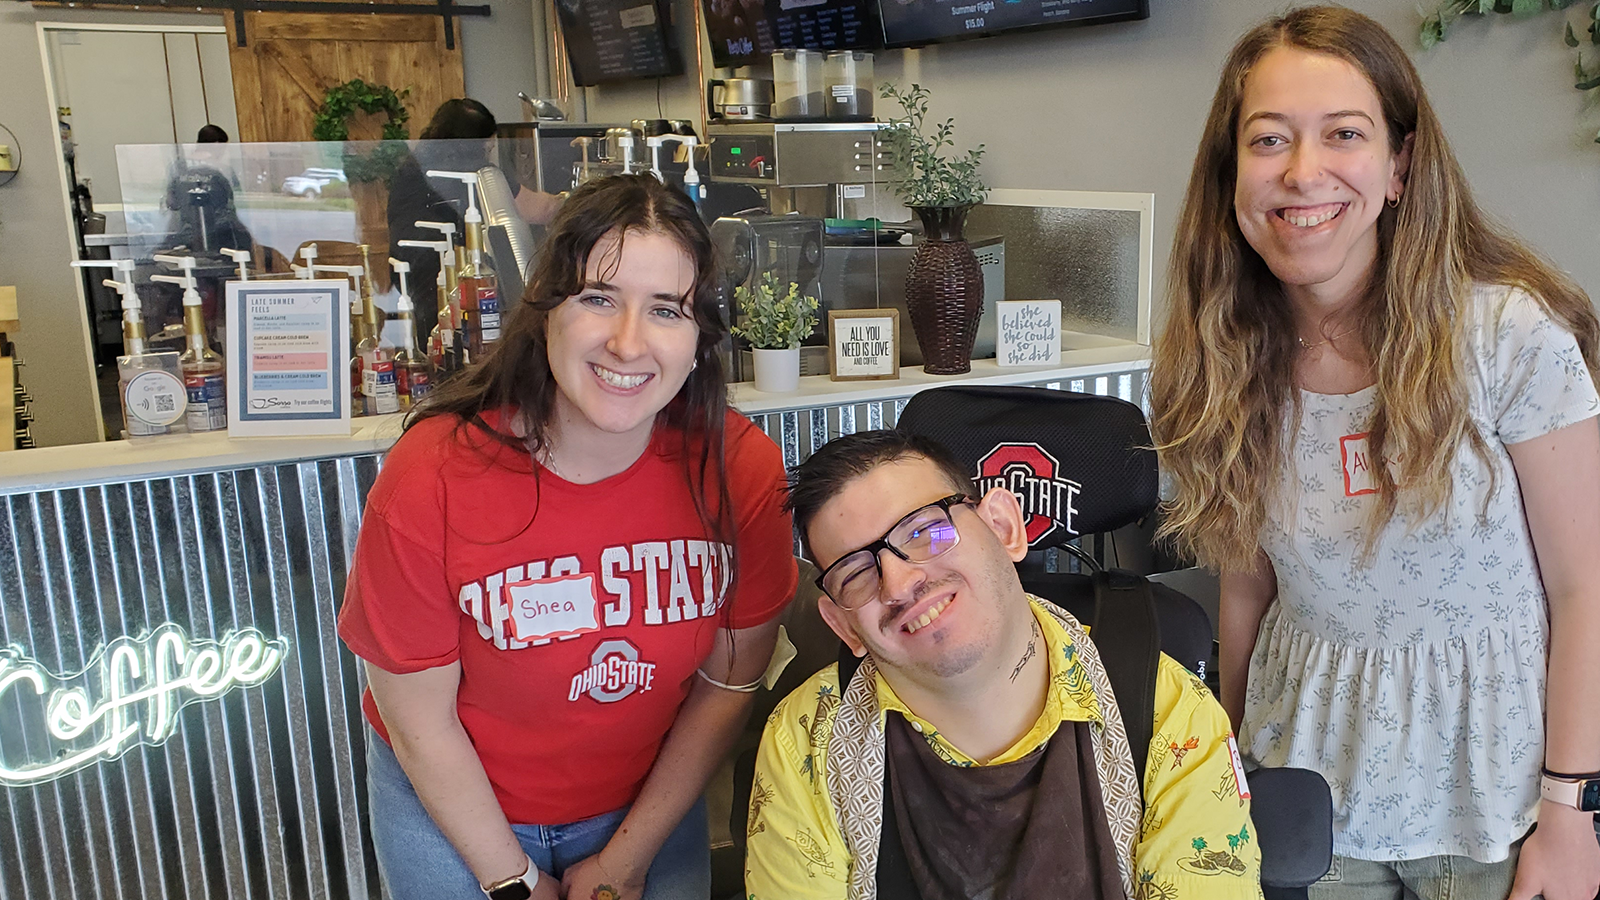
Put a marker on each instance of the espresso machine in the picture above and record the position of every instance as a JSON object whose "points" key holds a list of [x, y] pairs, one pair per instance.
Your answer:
{"points": [[836, 175]]}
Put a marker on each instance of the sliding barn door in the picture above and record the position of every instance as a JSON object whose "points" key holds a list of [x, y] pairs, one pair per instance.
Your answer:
{"points": [[290, 59]]}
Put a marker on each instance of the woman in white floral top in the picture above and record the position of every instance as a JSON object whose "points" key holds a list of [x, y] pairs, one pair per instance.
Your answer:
{"points": [[1379, 413]]}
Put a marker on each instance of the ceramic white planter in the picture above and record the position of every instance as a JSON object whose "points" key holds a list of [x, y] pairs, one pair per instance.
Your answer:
{"points": [[777, 371]]}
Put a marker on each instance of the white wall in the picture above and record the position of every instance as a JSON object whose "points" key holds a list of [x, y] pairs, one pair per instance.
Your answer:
{"points": [[35, 236], [497, 59], [1120, 107]]}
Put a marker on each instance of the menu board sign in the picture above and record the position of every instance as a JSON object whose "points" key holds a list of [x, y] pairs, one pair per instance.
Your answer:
{"points": [[745, 31], [615, 40], [910, 23], [288, 362]]}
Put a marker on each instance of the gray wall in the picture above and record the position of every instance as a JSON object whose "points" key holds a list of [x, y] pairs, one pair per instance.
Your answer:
{"points": [[1120, 107], [497, 54]]}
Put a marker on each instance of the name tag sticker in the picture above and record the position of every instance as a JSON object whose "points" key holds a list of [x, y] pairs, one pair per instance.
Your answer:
{"points": [[1238, 768], [544, 609], [1357, 460]]}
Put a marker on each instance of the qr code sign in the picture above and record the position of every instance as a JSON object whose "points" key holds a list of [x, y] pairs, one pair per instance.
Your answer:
{"points": [[165, 403]]}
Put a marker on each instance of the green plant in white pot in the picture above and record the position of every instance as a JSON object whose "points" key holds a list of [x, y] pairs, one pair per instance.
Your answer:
{"points": [[776, 318]]}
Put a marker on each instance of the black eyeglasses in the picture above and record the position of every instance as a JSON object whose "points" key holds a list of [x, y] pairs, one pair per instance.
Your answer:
{"points": [[926, 532]]}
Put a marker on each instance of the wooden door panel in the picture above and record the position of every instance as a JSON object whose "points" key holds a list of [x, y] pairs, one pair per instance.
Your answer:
{"points": [[291, 59]]}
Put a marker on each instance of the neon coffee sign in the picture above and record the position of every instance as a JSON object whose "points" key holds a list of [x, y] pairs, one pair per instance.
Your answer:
{"points": [[129, 694]]}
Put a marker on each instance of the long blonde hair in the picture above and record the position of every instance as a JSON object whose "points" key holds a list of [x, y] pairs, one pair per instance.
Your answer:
{"points": [[1223, 376]]}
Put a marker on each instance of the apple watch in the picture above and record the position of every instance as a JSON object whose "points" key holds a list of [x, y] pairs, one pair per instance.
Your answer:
{"points": [[518, 888], [1581, 792]]}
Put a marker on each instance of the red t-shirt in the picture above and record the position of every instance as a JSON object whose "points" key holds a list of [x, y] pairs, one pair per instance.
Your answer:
{"points": [[579, 613]]}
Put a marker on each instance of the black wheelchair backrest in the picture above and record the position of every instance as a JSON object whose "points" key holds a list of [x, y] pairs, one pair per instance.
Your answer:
{"points": [[1080, 464]]}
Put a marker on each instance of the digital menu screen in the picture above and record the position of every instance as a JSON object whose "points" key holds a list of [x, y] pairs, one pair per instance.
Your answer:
{"points": [[616, 40], [744, 31], [912, 23]]}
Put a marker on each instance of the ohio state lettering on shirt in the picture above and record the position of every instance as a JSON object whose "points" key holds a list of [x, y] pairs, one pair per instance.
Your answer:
{"points": [[578, 613]]}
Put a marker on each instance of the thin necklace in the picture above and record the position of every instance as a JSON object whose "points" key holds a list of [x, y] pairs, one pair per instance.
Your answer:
{"points": [[547, 458], [1306, 346]]}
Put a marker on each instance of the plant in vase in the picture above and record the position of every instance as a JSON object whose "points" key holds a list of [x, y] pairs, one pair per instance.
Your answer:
{"points": [[777, 317], [944, 285]]}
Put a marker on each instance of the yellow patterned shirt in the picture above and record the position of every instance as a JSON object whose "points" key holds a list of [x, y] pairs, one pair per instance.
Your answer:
{"points": [[1196, 840]]}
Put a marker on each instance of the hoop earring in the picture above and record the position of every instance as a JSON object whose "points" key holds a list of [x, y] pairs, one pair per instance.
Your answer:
{"points": [[1394, 202]]}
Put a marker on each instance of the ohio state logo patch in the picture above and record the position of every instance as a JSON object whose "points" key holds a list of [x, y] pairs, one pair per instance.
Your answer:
{"points": [[1027, 471], [615, 671]]}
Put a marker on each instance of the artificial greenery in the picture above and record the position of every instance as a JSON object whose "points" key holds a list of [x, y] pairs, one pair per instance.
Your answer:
{"points": [[1437, 25], [774, 318], [923, 175], [332, 123]]}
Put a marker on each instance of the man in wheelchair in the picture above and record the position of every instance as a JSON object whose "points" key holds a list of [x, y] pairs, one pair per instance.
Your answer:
{"points": [[971, 746]]}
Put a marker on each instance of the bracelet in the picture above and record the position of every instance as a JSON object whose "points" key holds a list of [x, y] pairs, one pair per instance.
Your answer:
{"points": [[736, 688], [1567, 776]]}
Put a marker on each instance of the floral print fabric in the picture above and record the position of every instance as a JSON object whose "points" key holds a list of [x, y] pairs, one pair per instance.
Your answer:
{"points": [[1414, 680]]}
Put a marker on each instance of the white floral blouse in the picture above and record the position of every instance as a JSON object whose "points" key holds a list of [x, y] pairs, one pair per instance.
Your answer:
{"points": [[1415, 683]]}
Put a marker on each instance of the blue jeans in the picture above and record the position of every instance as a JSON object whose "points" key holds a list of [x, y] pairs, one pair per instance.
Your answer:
{"points": [[417, 862]]}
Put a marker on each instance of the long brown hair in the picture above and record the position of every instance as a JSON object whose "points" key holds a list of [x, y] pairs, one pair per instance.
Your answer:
{"points": [[517, 376], [1223, 375]]}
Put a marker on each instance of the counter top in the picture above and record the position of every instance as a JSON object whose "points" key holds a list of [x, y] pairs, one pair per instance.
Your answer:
{"points": [[117, 461]]}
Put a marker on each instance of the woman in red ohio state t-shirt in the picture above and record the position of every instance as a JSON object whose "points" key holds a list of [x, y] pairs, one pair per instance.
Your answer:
{"points": [[568, 578]]}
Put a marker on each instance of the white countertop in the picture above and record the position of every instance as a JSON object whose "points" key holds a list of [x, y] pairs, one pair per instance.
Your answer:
{"points": [[119, 461]]}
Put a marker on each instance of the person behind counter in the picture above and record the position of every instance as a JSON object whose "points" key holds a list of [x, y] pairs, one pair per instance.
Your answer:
{"points": [[567, 579], [466, 132], [1378, 409], [987, 708]]}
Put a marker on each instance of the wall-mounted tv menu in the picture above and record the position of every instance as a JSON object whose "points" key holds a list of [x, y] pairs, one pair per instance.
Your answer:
{"points": [[616, 40], [746, 31], [913, 23]]}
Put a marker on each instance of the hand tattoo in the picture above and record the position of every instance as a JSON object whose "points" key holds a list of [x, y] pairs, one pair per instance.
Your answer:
{"points": [[605, 892], [1028, 653]]}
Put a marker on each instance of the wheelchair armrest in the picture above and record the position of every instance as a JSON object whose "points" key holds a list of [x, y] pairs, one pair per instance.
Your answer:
{"points": [[1293, 814]]}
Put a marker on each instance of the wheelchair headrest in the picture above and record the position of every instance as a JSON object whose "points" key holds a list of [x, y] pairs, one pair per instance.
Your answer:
{"points": [[1080, 464]]}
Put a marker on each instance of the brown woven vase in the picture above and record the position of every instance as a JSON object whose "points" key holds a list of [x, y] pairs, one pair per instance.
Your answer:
{"points": [[944, 291]]}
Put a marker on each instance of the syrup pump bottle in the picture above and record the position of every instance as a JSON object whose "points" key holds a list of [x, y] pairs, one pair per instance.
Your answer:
{"points": [[203, 367], [358, 333], [376, 352], [442, 342], [413, 372], [156, 374], [476, 284], [133, 330]]}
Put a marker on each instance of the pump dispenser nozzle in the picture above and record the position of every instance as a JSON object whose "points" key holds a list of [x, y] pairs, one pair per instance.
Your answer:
{"points": [[191, 296], [308, 271], [470, 179], [241, 258], [133, 333]]}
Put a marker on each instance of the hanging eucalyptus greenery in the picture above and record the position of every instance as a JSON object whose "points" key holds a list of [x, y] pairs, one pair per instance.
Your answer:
{"points": [[923, 175], [1438, 24]]}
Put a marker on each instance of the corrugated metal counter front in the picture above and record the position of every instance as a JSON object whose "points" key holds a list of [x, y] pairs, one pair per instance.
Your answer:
{"points": [[177, 716]]}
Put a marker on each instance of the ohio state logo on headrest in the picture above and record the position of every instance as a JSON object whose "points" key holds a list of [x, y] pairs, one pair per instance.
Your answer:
{"points": [[1034, 476]]}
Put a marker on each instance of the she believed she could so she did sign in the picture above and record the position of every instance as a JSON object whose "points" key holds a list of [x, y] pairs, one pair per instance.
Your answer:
{"points": [[1028, 333]]}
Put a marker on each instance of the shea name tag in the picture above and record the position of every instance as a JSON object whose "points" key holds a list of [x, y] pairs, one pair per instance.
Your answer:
{"points": [[544, 609]]}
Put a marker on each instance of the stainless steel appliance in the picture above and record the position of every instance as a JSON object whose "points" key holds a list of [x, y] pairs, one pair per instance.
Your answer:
{"points": [[855, 277], [741, 99], [545, 162], [798, 154], [790, 247]]}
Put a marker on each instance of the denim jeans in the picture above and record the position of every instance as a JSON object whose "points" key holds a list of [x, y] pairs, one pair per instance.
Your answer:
{"points": [[1430, 878], [417, 862]]}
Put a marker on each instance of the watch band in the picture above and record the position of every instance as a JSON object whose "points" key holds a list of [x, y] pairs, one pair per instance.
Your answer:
{"points": [[518, 888], [1582, 795]]}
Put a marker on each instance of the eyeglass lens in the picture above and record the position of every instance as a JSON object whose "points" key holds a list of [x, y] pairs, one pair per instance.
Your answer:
{"points": [[919, 537]]}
